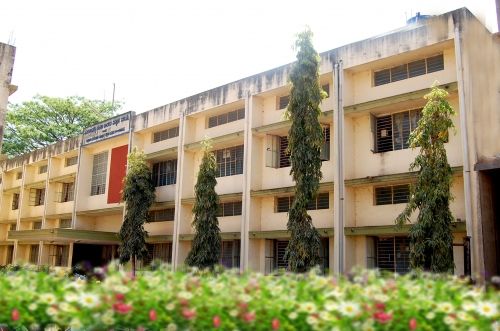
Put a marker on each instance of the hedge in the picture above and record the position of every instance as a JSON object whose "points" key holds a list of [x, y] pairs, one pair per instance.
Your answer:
{"points": [[197, 300]]}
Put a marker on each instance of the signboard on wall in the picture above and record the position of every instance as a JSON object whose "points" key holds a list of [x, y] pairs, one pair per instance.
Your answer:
{"points": [[113, 127]]}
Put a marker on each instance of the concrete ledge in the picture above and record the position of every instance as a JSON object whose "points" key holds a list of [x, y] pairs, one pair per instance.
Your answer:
{"points": [[214, 140], [222, 198], [391, 229], [100, 212], [63, 178], [71, 235], [163, 153], [323, 187]]}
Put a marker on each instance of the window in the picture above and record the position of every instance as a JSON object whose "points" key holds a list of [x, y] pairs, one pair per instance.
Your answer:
{"points": [[37, 196], [99, 172], [408, 70], [162, 215], [392, 132], [392, 254], [10, 254], [322, 201], [15, 201], [326, 88], [276, 150], [19, 175], [389, 195], [229, 161], [65, 223], [42, 169], [229, 209], [67, 193], [12, 227], [37, 225], [232, 116], [58, 255], [164, 173], [162, 252], [33, 258], [283, 102], [165, 134], [69, 161], [230, 253]]}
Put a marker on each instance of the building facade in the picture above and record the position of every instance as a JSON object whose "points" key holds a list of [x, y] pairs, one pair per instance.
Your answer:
{"points": [[61, 205]]}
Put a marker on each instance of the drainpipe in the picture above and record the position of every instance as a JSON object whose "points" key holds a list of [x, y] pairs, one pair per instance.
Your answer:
{"points": [[465, 140], [247, 170], [338, 244]]}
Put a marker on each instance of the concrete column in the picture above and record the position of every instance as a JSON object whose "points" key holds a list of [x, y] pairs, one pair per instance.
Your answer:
{"points": [[7, 54], [178, 190], [247, 180]]}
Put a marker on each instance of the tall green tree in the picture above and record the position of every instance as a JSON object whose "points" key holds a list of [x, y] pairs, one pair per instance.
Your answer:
{"points": [[205, 251], [45, 120], [305, 139], [138, 195], [431, 239]]}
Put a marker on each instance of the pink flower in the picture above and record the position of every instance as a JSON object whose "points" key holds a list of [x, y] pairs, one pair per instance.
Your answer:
{"points": [[249, 317], [412, 324], [119, 296], [380, 306], [275, 324], [14, 315], [152, 315], [141, 328], [188, 314], [122, 308], [216, 321], [382, 317]]}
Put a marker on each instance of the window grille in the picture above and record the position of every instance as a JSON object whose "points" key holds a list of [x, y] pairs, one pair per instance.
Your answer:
{"points": [[325, 148], [162, 215], [162, 252], [230, 253], [99, 173], [10, 254], [326, 88], [33, 258], [37, 196], [37, 225], [67, 193], [283, 102], [42, 169], [392, 132], [408, 70], [389, 195], [229, 209], [69, 161], [165, 173], [65, 223], [322, 201], [19, 175], [229, 117], [393, 254], [229, 161], [59, 255], [165, 134], [15, 201]]}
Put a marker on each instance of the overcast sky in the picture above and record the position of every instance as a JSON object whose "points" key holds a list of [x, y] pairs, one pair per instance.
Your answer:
{"points": [[157, 52]]}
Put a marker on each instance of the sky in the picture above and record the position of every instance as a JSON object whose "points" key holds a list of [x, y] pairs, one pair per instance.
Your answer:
{"points": [[157, 52]]}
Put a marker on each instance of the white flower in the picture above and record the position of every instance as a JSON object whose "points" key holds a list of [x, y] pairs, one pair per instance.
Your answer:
{"points": [[496, 326], [381, 297], [34, 327], [293, 315], [71, 297], [89, 300], [336, 293], [185, 295], [308, 307], [349, 309], [233, 313], [48, 298], [448, 320], [75, 323], [51, 311], [311, 320], [463, 316], [468, 306], [430, 315], [107, 318], [32, 306], [445, 307], [331, 306], [66, 307], [488, 309], [245, 298], [368, 326], [51, 327], [172, 327], [121, 289]]}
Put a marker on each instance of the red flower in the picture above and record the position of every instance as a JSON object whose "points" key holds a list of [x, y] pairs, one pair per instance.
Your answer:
{"points": [[216, 321], [382, 317], [183, 302], [249, 317], [243, 305], [141, 328], [412, 324], [188, 314], [122, 308], [14, 315], [119, 296], [275, 324], [380, 306], [152, 315]]}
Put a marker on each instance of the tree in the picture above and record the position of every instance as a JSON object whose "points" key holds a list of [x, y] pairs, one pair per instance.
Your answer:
{"points": [[138, 195], [305, 139], [431, 239], [45, 120], [206, 248]]}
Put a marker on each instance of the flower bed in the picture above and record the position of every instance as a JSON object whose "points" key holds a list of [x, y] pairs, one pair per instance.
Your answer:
{"points": [[161, 299]]}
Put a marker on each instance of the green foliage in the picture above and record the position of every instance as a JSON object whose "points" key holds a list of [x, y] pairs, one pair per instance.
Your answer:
{"points": [[138, 195], [305, 138], [166, 300], [431, 236], [44, 120], [206, 246]]}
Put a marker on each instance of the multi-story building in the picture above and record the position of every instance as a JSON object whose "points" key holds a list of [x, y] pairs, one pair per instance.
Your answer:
{"points": [[61, 205]]}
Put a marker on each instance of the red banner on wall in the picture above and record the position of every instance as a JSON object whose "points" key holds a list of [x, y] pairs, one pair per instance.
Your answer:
{"points": [[117, 172]]}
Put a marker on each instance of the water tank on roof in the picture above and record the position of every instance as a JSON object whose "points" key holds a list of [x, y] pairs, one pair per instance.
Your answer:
{"points": [[417, 18]]}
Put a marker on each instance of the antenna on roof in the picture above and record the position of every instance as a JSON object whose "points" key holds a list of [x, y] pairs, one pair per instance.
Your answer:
{"points": [[12, 39]]}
